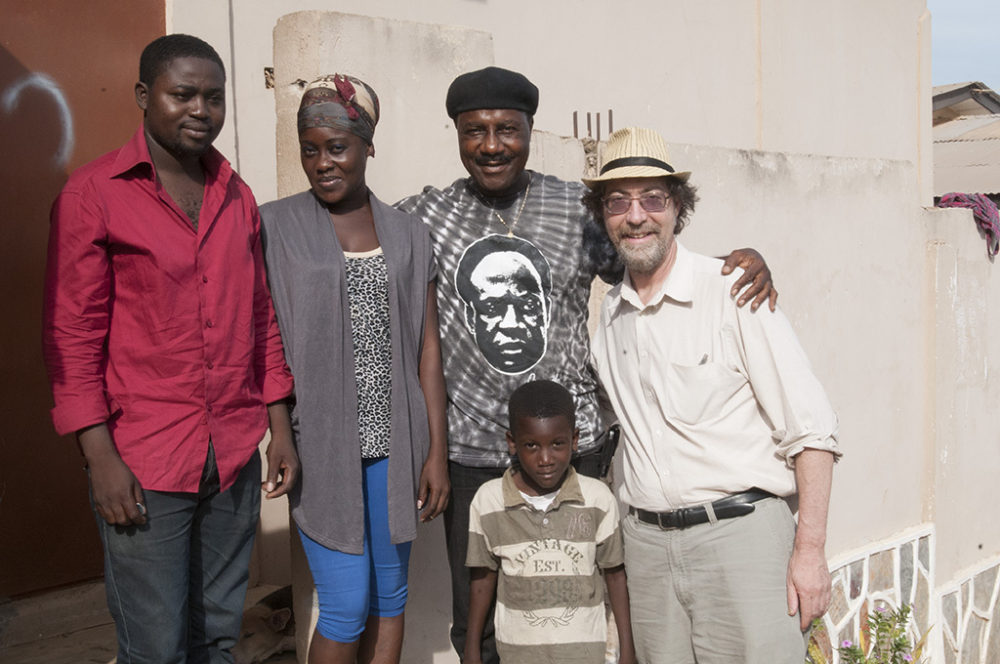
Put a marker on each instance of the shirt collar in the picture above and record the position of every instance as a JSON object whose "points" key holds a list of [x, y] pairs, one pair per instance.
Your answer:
{"points": [[678, 286], [568, 492], [135, 153]]}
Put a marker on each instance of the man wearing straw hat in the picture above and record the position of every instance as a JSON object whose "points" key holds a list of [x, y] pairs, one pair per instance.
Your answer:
{"points": [[499, 326], [722, 419]]}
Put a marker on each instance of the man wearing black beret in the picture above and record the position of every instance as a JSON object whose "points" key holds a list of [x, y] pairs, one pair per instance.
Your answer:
{"points": [[487, 348]]}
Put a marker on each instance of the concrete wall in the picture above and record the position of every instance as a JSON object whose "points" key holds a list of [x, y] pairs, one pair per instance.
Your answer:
{"points": [[966, 389], [777, 75], [413, 64], [826, 225]]}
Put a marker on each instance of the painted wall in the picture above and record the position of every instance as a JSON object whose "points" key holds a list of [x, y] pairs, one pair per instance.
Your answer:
{"points": [[66, 97], [776, 75], [825, 225], [965, 385], [413, 66]]}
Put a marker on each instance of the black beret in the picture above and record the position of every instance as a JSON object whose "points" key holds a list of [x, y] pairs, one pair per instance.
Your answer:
{"points": [[492, 87]]}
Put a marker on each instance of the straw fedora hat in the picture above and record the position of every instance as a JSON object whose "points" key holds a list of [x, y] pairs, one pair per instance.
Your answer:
{"points": [[635, 152]]}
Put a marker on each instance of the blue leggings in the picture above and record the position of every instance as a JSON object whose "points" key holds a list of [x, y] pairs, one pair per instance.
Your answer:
{"points": [[352, 587]]}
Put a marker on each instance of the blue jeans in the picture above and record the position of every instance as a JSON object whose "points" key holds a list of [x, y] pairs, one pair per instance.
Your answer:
{"points": [[176, 584]]}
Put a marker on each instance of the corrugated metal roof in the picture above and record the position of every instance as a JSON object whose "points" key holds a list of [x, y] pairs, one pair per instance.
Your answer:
{"points": [[966, 139], [967, 166]]}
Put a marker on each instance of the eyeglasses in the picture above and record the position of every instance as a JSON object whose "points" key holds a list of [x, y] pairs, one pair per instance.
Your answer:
{"points": [[653, 201]]}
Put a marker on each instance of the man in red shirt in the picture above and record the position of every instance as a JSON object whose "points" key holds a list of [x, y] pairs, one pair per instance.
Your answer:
{"points": [[165, 361]]}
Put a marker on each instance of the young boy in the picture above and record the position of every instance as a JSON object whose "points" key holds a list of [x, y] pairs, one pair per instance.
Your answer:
{"points": [[539, 536]]}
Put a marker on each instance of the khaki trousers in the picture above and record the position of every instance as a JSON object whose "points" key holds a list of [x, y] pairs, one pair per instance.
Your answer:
{"points": [[714, 593]]}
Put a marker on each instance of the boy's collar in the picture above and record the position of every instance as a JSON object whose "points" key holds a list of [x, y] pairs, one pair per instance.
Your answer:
{"points": [[569, 490]]}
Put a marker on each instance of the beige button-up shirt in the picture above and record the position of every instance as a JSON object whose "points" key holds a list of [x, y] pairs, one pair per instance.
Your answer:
{"points": [[712, 399]]}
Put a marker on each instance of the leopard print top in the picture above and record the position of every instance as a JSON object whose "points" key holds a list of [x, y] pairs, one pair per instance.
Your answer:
{"points": [[368, 291]]}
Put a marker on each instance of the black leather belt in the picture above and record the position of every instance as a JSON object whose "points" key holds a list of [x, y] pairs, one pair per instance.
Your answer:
{"points": [[738, 504]]}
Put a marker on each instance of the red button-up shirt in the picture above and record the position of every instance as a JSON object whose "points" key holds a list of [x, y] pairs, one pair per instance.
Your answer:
{"points": [[164, 332]]}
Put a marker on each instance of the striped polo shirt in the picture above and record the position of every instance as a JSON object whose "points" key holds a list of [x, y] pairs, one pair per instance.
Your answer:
{"points": [[550, 595]]}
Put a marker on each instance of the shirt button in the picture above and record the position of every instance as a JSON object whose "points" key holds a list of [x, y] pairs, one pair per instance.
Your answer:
{"points": [[209, 408], [210, 365], [545, 521], [204, 279], [208, 323]]}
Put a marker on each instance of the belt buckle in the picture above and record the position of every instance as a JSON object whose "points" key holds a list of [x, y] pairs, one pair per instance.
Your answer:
{"points": [[679, 514], [659, 521]]}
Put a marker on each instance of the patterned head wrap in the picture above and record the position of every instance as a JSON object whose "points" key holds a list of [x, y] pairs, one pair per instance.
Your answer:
{"points": [[340, 102]]}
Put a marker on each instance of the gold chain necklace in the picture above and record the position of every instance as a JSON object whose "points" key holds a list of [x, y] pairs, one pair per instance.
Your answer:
{"points": [[517, 217]]}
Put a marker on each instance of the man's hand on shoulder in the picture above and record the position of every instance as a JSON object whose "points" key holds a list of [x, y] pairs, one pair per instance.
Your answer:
{"points": [[116, 491], [808, 584], [755, 282]]}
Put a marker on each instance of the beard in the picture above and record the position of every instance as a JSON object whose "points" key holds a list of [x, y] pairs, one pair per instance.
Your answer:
{"points": [[181, 148], [644, 259]]}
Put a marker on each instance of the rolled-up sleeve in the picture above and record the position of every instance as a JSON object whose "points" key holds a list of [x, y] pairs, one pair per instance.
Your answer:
{"points": [[77, 312], [269, 356], [785, 386]]}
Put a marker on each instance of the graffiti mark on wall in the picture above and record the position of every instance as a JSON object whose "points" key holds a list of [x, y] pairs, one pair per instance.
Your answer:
{"points": [[11, 98]]}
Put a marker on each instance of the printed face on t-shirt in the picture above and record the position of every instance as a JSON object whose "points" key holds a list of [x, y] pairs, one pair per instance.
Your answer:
{"points": [[505, 285]]}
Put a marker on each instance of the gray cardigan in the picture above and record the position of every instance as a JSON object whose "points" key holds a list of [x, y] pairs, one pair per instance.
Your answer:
{"points": [[305, 267]]}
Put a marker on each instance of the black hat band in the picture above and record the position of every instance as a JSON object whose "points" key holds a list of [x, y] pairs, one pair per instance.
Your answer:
{"points": [[636, 161]]}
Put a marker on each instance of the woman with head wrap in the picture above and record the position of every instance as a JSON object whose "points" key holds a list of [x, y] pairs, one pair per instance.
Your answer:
{"points": [[353, 283]]}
